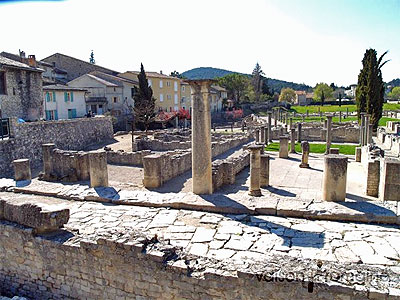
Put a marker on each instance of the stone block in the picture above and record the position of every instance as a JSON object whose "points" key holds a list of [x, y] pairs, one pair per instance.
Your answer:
{"points": [[335, 177], [152, 167], [22, 169], [358, 154], [264, 170], [98, 169], [334, 151], [283, 147], [389, 189]]}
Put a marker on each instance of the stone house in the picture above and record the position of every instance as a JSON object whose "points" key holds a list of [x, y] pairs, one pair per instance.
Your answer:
{"points": [[218, 93], [21, 88], [73, 66], [301, 98], [63, 102]]}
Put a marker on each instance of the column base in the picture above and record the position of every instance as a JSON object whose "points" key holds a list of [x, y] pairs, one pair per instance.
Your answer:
{"points": [[304, 165], [293, 151], [255, 193]]}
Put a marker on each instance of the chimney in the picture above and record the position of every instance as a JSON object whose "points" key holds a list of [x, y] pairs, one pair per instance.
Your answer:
{"points": [[21, 54], [161, 72], [32, 61]]}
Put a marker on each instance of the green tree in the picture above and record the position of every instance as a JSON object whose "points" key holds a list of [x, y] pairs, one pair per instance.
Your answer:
{"points": [[257, 81], [176, 74], [322, 91], [288, 95], [91, 59], [235, 84], [370, 88], [395, 93], [144, 101]]}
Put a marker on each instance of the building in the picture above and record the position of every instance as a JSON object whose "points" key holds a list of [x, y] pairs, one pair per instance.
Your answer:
{"points": [[166, 89], [107, 93], [186, 95], [63, 102], [21, 88], [73, 66], [351, 93], [302, 98], [218, 94]]}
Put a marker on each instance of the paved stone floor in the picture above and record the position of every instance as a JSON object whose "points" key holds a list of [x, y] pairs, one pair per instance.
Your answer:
{"points": [[239, 237]]}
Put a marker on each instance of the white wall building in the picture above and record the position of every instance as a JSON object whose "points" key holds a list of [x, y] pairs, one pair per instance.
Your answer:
{"points": [[62, 102]]}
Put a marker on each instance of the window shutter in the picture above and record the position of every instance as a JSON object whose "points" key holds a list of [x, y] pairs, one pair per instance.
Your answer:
{"points": [[54, 96], [74, 113], [72, 96], [47, 97], [65, 97], [56, 115], [47, 115]]}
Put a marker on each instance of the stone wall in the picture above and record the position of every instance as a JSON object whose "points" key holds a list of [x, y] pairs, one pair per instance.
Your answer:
{"points": [[127, 158], [24, 97], [136, 268], [27, 139]]}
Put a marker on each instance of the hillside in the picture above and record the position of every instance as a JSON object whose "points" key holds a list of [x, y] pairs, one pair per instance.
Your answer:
{"points": [[210, 73]]}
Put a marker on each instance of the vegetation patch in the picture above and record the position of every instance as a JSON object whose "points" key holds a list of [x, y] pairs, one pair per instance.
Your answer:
{"points": [[317, 148]]}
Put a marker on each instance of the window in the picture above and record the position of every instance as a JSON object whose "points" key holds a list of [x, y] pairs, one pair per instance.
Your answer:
{"points": [[176, 108], [161, 97], [168, 83], [170, 109], [169, 97], [114, 89], [51, 115], [175, 86], [68, 96], [132, 92], [72, 113], [115, 99], [176, 99], [183, 99], [161, 84], [183, 88], [3, 86]]}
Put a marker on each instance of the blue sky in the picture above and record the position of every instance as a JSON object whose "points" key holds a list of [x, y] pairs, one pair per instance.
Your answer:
{"points": [[306, 41]]}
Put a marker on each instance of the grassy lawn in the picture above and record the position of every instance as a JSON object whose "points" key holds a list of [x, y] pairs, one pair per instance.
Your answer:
{"points": [[333, 108], [382, 121], [317, 148]]}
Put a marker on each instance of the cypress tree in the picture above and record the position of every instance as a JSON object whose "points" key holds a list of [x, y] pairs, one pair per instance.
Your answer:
{"points": [[370, 87], [144, 101]]}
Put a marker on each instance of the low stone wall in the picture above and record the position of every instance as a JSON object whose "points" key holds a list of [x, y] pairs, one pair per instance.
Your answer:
{"points": [[27, 138], [389, 189], [224, 171], [341, 133], [161, 167], [127, 158]]}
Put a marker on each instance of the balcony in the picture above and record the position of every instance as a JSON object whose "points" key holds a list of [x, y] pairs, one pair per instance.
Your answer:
{"points": [[96, 99]]}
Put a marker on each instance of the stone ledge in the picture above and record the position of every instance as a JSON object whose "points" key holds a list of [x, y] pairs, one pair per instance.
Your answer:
{"points": [[354, 211], [34, 216]]}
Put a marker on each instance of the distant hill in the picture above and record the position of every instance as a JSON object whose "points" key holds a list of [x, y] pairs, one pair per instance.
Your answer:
{"points": [[275, 85], [394, 82]]}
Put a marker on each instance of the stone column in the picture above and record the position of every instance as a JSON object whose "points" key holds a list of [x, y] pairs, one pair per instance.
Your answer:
{"points": [[358, 154], [98, 169], [22, 169], [335, 178], [299, 132], [340, 117], [292, 140], [366, 130], [257, 135], [370, 132], [176, 122], [307, 113], [303, 117], [283, 146], [362, 126], [276, 118], [290, 123], [47, 150], [201, 137], [347, 112], [266, 134], [305, 149], [262, 129], [264, 170], [328, 133], [325, 123], [269, 126], [255, 161]]}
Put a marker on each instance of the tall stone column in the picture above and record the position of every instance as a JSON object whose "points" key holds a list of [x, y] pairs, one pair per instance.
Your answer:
{"points": [[307, 113], [255, 161], [362, 126], [328, 133], [366, 130], [335, 178], [264, 170], [292, 140], [269, 126], [370, 131], [290, 123], [276, 117], [283, 146], [201, 137], [347, 112], [299, 132], [262, 129], [257, 135], [340, 117], [305, 149], [47, 149], [98, 169]]}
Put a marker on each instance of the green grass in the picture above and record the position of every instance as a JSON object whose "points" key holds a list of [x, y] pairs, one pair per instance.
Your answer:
{"points": [[333, 108], [382, 121], [317, 148]]}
